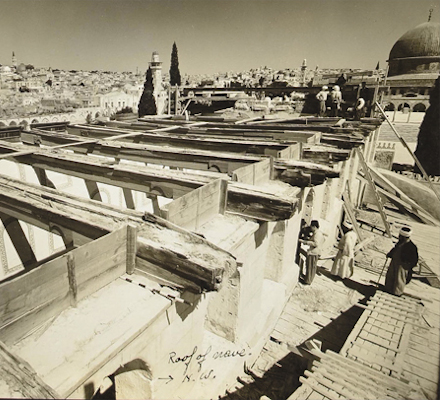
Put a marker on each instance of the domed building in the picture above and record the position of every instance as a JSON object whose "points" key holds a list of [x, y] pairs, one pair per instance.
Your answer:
{"points": [[413, 67], [417, 51]]}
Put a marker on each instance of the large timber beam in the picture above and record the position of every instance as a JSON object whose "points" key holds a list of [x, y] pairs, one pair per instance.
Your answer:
{"points": [[252, 203], [164, 250], [191, 159], [241, 146], [305, 124], [174, 157]]}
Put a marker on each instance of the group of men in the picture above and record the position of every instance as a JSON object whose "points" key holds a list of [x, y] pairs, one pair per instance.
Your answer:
{"points": [[403, 255], [334, 99]]}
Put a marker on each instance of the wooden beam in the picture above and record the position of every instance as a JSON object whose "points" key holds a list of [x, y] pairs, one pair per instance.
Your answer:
{"points": [[150, 180], [194, 209], [19, 240], [131, 248], [155, 154], [93, 190], [373, 188], [71, 274], [187, 158], [129, 200], [196, 263], [191, 142], [400, 197], [350, 211], [21, 379], [42, 178]]}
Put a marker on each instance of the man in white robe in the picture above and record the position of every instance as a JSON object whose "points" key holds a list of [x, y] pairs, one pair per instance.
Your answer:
{"points": [[343, 265]]}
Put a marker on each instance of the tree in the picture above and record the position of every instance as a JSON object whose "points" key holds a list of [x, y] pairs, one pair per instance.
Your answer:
{"points": [[428, 140], [175, 78], [147, 103]]}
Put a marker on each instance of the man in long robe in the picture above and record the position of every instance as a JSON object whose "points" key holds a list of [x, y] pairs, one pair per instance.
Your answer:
{"points": [[343, 266], [404, 258]]}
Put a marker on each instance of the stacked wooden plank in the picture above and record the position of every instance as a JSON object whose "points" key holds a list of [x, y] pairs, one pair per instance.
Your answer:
{"points": [[335, 377], [391, 353]]}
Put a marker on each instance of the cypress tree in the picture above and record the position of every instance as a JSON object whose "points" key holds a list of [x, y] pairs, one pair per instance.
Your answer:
{"points": [[147, 103], [428, 140], [175, 78]]}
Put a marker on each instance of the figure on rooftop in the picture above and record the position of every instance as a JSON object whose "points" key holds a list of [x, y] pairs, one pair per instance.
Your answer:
{"points": [[336, 97], [404, 258], [322, 98]]}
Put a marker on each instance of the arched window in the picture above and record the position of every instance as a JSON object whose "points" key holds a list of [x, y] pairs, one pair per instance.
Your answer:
{"points": [[419, 107], [402, 106], [390, 107]]}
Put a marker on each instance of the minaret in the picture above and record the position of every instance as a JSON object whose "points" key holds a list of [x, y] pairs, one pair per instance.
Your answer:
{"points": [[303, 72], [156, 69], [14, 60]]}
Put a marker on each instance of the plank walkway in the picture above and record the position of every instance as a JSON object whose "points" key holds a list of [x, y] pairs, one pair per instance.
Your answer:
{"points": [[391, 353], [323, 311]]}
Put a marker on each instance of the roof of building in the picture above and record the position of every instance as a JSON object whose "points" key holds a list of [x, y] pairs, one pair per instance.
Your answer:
{"points": [[421, 41]]}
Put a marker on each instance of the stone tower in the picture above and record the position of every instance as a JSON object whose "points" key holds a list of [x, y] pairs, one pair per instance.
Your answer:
{"points": [[303, 72], [156, 69], [14, 60]]}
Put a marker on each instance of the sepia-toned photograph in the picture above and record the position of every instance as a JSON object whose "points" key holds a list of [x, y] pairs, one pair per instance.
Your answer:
{"points": [[220, 199]]}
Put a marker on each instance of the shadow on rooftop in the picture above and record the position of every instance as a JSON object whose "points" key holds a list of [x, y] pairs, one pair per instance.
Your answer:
{"points": [[282, 379]]}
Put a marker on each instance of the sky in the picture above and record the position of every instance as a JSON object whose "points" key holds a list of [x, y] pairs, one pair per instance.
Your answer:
{"points": [[211, 35]]}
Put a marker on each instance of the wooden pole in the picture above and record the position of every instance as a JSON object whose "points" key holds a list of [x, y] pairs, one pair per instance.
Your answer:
{"points": [[425, 175], [131, 248], [373, 188]]}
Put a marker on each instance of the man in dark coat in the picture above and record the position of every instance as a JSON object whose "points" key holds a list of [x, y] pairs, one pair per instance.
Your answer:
{"points": [[315, 243], [404, 258]]}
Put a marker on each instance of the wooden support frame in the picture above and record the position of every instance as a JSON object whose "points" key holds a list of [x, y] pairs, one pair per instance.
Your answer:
{"points": [[19, 240], [376, 195], [196, 208], [350, 212], [44, 292], [254, 174], [241, 146], [155, 181], [178, 157], [199, 270]]}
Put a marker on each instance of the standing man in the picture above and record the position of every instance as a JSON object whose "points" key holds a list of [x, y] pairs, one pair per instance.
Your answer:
{"points": [[343, 266], [404, 258], [365, 94], [322, 98], [336, 97], [315, 242]]}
